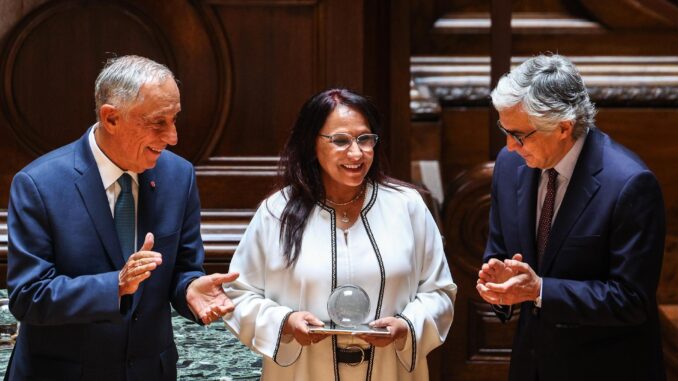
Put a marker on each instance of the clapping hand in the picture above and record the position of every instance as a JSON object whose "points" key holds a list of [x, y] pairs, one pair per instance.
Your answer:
{"points": [[509, 282], [138, 267]]}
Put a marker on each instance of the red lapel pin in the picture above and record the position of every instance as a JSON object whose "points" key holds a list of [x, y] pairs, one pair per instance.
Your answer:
{"points": [[152, 185]]}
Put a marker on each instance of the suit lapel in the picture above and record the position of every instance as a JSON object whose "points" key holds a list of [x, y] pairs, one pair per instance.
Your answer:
{"points": [[583, 186], [145, 212], [527, 199], [93, 196]]}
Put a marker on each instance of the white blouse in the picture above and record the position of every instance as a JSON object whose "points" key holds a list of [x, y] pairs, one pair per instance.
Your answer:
{"points": [[394, 252]]}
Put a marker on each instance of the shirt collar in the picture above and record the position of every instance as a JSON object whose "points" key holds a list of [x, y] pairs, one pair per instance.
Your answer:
{"points": [[107, 169], [565, 166]]}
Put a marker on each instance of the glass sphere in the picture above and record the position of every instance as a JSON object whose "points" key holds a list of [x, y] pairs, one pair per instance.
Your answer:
{"points": [[348, 306]]}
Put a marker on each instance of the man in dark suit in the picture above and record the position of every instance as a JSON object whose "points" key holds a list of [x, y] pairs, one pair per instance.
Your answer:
{"points": [[576, 235], [104, 234]]}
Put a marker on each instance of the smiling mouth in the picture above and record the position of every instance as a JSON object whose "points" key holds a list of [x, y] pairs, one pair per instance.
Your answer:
{"points": [[352, 167], [155, 150]]}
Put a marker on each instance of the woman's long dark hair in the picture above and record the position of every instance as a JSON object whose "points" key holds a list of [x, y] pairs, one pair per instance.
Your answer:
{"points": [[300, 168]]}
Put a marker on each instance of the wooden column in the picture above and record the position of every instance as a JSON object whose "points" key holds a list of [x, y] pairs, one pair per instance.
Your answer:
{"points": [[500, 63], [387, 77]]}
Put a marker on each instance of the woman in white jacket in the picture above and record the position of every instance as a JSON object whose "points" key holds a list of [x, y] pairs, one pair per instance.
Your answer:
{"points": [[338, 220]]}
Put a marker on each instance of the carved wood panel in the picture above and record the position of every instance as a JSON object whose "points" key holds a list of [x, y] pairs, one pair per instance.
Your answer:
{"points": [[479, 347]]}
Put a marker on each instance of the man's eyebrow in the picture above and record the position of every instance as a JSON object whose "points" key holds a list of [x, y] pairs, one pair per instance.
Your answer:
{"points": [[159, 115]]}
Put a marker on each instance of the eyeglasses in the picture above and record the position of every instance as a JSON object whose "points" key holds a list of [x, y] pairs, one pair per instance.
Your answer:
{"points": [[342, 140], [518, 137]]}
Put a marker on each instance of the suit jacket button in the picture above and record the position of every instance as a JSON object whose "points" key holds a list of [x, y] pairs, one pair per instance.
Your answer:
{"points": [[135, 316], [130, 362]]}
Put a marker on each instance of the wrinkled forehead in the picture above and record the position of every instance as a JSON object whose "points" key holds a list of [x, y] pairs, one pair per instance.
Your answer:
{"points": [[159, 98]]}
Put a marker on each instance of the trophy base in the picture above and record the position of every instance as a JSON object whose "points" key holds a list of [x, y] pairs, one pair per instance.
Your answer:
{"points": [[362, 329]]}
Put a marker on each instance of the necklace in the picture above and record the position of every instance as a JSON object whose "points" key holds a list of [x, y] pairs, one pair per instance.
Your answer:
{"points": [[344, 216]]}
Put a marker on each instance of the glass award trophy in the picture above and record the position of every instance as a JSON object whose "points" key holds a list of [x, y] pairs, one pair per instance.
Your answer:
{"points": [[348, 307]]}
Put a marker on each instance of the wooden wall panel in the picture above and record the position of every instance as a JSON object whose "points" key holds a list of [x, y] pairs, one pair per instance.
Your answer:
{"points": [[53, 51], [274, 73], [465, 139]]}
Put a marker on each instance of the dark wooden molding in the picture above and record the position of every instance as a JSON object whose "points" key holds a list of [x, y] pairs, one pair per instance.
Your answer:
{"points": [[483, 342], [236, 182], [489, 338], [612, 81], [221, 232], [254, 165], [423, 104], [398, 60], [521, 23], [585, 27], [467, 205], [224, 94], [501, 40], [260, 3], [623, 14]]}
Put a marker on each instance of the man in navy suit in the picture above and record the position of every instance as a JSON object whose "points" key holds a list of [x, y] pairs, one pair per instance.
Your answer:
{"points": [[576, 235], [104, 234]]}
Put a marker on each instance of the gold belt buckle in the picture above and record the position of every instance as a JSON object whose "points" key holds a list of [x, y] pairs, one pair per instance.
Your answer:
{"points": [[356, 348]]}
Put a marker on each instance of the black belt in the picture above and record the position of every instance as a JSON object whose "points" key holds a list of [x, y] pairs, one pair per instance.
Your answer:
{"points": [[353, 355]]}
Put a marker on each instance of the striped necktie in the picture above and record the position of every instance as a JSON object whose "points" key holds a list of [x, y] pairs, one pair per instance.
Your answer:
{"points": [[124, 215]]}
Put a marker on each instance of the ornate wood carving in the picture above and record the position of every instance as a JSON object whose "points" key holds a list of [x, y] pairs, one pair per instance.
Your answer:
{"points": [[612, 81], [489, 339], [32, 58], [466, 209], [56, 51], [423, 105], [479, 339]]}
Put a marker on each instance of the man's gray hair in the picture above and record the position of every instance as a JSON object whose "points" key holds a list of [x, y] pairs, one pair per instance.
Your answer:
{"points": [[120, 80], [550, 90]]}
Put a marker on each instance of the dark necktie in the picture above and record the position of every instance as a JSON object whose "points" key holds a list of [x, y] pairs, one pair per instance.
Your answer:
{"points": [[124, 215], [546, 217]]}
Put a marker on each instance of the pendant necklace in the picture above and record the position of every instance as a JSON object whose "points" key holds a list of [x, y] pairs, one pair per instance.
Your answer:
{"points": [[344, 216]]}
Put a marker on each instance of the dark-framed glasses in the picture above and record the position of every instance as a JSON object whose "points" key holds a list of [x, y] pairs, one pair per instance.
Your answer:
{"points": [[342, 140], [518, 137]]}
